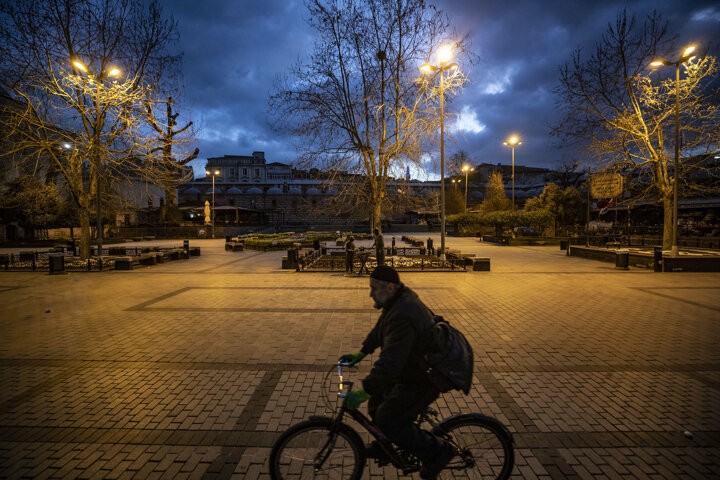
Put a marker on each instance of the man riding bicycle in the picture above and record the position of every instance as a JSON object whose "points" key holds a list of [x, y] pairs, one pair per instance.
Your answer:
{"points": [[397, 387]]}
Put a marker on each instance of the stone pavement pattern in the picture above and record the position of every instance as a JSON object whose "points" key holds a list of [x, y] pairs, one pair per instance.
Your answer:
{"points": [[191, 369]]}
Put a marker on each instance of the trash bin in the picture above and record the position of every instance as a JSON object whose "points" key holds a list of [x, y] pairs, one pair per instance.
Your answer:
{"points": [[56, 263], [622, 259], [657, 259]]}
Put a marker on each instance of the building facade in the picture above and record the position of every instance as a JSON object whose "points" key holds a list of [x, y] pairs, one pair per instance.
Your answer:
{"points": [[250, 191]]}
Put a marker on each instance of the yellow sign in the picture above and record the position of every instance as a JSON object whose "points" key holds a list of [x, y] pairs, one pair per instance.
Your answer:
{"points": [[607, 185]]}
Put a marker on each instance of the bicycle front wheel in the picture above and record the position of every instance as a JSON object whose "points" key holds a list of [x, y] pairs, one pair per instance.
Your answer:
{"points": [[485, 447], [310, 450]]}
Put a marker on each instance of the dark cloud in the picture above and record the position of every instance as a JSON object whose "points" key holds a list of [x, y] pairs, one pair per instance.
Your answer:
{"points": [[234, 50]]}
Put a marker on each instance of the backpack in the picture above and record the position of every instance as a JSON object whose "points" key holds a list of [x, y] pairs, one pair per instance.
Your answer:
{"points": [[448, 357]]}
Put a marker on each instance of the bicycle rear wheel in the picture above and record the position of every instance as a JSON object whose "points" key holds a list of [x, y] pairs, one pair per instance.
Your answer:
{"points": [[297, 452], [485, 448]]}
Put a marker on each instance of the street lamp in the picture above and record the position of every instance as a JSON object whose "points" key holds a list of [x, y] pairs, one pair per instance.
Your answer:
{"points": [[686, 55], [513, 142], [97, 130], [214, 174], [467, 169], [444, 55]]}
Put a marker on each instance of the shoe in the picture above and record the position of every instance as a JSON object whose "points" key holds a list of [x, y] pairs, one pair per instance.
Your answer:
{"points": [[430, 469], [375, 451]]}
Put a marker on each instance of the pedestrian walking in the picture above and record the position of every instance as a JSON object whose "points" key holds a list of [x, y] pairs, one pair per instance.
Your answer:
{"points": [[379, 247], [349, 253]]}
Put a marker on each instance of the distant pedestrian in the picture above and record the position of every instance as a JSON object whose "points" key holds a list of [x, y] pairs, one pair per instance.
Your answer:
{"points": [[349, 253], [379, 247]]}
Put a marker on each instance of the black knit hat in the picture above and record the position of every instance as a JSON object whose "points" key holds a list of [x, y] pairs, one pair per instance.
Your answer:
{"points": [[386, 274]]}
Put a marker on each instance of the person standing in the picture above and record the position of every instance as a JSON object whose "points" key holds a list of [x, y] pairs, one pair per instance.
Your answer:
{"points": [[349, 253], [379, 247], [397, 387]]}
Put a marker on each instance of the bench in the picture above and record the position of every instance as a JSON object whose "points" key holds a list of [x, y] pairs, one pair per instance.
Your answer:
{"points": [[124, 263], [149, 258], [174, 254], [235, 246], [480, 264]]}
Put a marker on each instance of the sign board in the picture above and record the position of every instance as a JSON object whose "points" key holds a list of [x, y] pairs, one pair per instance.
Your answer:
{"points": [[606, 185]]}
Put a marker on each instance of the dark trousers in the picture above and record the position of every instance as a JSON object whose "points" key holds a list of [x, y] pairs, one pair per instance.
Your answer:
{"points": [[380, 256], [349, 260], [395, 414]]}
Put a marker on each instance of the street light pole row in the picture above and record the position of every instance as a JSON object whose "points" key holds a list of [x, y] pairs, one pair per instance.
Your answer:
{"points": [[213, 174], [686, 55], [513, 142], [110, 72], [467, 169], [444, 55]]}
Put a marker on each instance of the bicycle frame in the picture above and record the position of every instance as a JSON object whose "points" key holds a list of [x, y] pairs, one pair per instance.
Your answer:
{"points": [[407, 465], [400, 459]]}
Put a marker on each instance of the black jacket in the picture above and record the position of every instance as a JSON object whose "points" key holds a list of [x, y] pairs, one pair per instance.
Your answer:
{"points": [[399, 332]]}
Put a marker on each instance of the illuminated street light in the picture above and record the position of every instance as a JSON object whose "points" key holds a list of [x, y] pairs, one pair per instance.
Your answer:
{"points": [[97, 130], [686, 55], [467, 169], [513, 142], [214, 174], [444, 55]]}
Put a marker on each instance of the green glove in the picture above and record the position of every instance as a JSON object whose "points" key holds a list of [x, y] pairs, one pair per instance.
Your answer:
{"points": [[352, 358], [356, 398]]}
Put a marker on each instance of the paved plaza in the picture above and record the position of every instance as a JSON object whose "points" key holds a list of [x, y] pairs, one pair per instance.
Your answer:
{"points": [[190, 369]]}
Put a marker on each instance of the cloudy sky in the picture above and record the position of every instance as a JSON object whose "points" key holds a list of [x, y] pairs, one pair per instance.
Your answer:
{"points": [[235, 49]]}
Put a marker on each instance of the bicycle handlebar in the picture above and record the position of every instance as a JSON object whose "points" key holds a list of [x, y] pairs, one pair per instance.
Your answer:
{"points": [[342, 385]]}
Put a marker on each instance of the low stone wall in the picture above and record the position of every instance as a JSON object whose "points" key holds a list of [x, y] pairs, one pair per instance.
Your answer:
{"points": [[689, 262]]}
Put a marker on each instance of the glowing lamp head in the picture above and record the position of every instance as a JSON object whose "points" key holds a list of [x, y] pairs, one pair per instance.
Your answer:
{"points": [[444, 54], [79, 65], [512, 141]]}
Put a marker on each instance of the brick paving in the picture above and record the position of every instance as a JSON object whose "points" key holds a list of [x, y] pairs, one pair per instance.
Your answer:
{"points": [[191, 369]]}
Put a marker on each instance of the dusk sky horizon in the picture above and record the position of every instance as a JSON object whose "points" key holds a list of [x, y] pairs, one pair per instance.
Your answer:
{"points": [[233, 51]]}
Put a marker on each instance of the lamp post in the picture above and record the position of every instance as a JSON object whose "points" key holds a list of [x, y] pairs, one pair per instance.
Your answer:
{"points": [[467, 169], [686, 55], [213, 174], [513, 142], [97, 130], [443, 56]]}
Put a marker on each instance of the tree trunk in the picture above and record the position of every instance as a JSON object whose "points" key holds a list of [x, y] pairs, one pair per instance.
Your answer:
{"points": [[84, 234], [668, 221], [377, 216]]}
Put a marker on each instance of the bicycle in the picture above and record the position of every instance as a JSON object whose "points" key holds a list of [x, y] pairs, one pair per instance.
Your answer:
{"points": [[324, 447]]}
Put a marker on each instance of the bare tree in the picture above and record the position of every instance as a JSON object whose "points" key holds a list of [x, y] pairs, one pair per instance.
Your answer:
{"points": [[566, 174], [456, 162], [59, 57], [626, 118], [167, 170], [357, 102]]}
